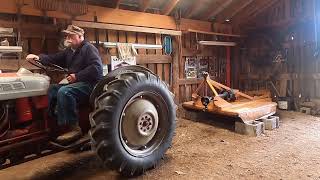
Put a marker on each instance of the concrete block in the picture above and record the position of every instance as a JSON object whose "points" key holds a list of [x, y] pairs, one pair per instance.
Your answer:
{"points": [[271, 122], [305, 110], [253, 128]]}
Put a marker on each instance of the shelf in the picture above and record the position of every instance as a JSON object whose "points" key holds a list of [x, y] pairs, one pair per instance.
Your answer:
{"points": [[10, 49], [215, 33]]}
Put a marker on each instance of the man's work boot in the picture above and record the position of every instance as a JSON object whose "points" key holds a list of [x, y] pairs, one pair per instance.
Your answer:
{"points": [[71, 136]]}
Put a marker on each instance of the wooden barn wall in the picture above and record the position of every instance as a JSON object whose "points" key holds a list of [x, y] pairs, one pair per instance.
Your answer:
{"points": [[215, 55], [155, 60], [289, 27], [38, 38]]}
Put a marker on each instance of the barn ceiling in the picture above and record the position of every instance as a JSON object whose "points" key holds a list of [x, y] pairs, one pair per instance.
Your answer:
{"points": [[223, 11]]}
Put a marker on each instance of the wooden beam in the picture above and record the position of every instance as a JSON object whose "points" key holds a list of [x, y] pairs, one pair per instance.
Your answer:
{"points": [[144, 5], [125, 28], [169, 7], [215, 10], [215, 33]]}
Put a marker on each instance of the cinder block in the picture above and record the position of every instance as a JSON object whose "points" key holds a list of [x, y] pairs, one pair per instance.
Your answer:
{"points": [[271, 122], [253, 128], [305, 110]]}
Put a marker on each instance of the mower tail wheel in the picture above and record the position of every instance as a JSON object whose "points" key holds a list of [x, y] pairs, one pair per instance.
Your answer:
{"points": [[134, 122]]}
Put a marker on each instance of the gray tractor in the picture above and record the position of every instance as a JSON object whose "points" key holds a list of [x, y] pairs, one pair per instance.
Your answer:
{"points": [[132, 117]]}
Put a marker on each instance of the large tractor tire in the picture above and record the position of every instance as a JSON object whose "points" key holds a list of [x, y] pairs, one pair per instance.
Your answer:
{"points": [[99, 88], [133, 122]]}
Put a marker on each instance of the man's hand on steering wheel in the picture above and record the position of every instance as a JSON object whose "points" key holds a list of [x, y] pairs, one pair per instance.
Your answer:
{"points": [[35, 60], [32, 57]]}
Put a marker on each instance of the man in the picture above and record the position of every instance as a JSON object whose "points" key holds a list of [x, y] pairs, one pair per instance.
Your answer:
{"points": [[85, 69]]}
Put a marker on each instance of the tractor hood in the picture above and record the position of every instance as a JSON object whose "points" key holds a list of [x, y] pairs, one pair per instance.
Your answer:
{"points": [[24, 83]]}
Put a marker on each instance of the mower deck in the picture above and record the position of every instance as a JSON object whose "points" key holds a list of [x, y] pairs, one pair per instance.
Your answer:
{"points": [[247, 110], [230, 102]]}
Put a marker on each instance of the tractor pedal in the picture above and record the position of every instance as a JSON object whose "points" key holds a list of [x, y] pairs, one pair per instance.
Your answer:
{"points": [[79, 144]]}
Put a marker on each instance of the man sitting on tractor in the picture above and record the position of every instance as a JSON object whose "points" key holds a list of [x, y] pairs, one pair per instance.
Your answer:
{"points": [[85, 69]]}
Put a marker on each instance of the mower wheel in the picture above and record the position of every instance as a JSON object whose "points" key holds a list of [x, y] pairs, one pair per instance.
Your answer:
{"points": [[134, 122], [98, 89]]}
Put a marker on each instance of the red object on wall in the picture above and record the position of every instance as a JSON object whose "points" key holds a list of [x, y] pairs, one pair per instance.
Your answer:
{"points": [[23, 110], [228, 68]]}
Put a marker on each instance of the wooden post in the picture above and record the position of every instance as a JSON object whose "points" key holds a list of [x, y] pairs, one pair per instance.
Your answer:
{"points": [[177, 52], [228, 66]]}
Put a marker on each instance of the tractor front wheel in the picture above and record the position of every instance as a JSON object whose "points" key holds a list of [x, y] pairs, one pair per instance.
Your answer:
{"points": [[134, 122]]}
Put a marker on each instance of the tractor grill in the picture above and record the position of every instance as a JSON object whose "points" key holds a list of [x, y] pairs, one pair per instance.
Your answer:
{"points": [[11, 86]]}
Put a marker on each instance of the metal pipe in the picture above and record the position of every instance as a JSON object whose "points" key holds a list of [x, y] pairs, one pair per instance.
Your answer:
{"points": [[137, 46]]}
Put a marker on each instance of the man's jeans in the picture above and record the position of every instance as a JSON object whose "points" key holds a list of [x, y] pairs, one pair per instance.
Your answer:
{"points": [[64, 99]]}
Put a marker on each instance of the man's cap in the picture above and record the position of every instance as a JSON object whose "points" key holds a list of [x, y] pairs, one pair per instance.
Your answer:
{"points": [[72, 29]]}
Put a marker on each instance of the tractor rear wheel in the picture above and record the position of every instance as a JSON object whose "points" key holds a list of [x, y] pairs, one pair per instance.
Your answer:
{"points": [[134, 122], [99, 88]]}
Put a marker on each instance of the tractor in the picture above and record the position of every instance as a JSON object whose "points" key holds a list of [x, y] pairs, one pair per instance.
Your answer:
{"points": [[129, 120]]}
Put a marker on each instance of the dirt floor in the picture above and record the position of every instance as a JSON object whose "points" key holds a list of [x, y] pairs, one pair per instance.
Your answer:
{"points": [[205, 150]]}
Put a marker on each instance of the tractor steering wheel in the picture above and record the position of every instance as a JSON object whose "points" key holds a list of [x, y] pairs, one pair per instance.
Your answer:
{"points": [[48, 67]]}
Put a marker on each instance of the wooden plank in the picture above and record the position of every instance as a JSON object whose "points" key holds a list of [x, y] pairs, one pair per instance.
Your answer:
{"points": [[144, 59], [122, 37], [190, 81], [171, 4], [112, 37], [158, 41], [188, 92], [167, 69], [151, 39], [217, 43], [142, 39], [131, 37], [160, 70], [215, 33], [125, 28]]}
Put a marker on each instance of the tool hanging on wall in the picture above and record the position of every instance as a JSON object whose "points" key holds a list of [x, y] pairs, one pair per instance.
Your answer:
{"points": [[167, 45]]}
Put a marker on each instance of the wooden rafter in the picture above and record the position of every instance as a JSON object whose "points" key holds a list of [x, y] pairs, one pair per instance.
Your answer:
{"points": [[234, 9], [244, 5], [249, 10], [169, 7], [144, 5], [194, 6], [256, 13], [217, 8]]}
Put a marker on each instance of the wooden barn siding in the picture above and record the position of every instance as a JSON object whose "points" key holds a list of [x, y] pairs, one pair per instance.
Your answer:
{"points": [[216, 56], [301, 74], [163, 70]]}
